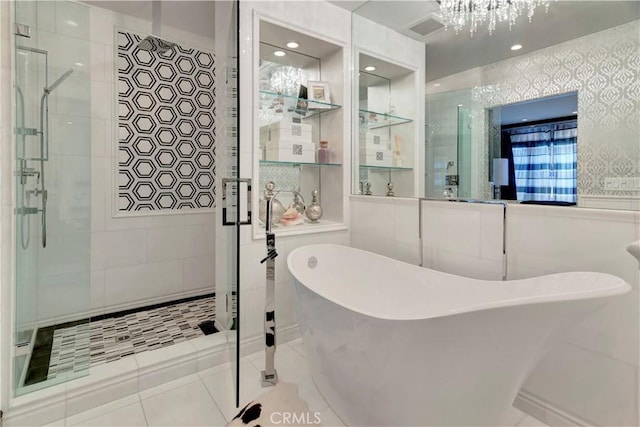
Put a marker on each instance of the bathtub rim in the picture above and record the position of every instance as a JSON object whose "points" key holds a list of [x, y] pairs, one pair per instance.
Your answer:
{"points": [[618, 287]]}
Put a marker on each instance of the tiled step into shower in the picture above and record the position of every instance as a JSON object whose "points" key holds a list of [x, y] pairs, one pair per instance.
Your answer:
{"points": [[76, 346]]}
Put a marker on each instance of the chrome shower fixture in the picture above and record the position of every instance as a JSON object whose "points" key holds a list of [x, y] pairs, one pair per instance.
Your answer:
{"points": [[48, 90], [154, 42], [44, 145]]}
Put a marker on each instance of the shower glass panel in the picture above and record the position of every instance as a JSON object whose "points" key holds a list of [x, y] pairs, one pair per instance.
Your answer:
{"points": [[456, 145], [53, 211], [464, 152], [442, 133]]}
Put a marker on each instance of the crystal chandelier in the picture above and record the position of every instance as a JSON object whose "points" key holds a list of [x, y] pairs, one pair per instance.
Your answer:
{"points": [[286, 80], [457, 13]]}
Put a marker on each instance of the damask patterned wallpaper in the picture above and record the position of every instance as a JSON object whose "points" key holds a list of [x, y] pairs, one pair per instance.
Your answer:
{"points": [[604, 68], [285, 178], [166, 146]]}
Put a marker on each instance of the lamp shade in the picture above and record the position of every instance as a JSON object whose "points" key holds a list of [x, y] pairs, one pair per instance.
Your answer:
{"points": [[500, 172]]}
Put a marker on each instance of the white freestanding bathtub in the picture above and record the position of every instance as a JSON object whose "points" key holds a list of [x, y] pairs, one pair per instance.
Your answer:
{"points": [[390, 343]]}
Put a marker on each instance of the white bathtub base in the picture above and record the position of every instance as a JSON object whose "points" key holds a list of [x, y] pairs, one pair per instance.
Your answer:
{"points": [[392, 344]]}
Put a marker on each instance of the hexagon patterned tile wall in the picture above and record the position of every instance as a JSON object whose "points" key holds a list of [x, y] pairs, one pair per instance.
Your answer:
{"points": [[166, 145]]}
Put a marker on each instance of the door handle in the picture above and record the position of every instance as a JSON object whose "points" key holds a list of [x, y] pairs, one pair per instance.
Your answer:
{"points": [[237, 181]]}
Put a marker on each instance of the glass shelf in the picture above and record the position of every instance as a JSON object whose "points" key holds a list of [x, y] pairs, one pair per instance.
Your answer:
{"points": [[387, 168], [373, 120], [275, 106], [279, 163], [322, 226]]}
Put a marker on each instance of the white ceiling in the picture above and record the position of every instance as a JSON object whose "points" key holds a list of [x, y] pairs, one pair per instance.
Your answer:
{"points": [[194, 16], [349, 4], [448, 53], [539, 109], [383, 69], [279, 36]]}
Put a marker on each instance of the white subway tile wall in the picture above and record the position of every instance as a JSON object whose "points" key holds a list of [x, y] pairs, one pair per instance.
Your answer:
{"points": [[136, 259]]}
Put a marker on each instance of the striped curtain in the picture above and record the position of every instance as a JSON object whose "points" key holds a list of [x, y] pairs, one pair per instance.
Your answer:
{"points": [[565, 161], [545, 163]]}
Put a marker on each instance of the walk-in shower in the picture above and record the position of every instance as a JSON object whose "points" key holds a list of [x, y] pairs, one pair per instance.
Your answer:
{"points": [[93, 281]]}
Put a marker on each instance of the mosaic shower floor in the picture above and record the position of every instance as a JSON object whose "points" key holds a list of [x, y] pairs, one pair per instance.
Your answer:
{"points": [[77, 346]]}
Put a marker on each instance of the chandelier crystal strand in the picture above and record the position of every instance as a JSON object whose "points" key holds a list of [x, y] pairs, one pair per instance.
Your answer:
{"points": [[457, 13]]}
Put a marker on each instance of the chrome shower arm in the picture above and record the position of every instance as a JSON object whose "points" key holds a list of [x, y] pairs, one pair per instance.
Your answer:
{"points": [[57, 83]]}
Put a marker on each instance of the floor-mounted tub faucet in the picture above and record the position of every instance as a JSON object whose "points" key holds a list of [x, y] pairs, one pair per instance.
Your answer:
{"points": [[270, 375]]}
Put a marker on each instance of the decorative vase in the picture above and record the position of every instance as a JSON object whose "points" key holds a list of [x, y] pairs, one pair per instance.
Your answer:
{"points": [[324, 155], [314, 210], [276, 207], [297, 204], [390, 192]]}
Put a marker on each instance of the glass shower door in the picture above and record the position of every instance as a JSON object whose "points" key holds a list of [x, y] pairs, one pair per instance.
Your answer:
{"points": [[233, 191], [52, 135]]}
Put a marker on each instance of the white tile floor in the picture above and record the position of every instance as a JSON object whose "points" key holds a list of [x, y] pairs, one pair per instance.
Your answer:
{"points": [[205, 399]]}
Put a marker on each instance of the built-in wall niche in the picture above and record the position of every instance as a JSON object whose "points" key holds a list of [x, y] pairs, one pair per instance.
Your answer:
{"points": [[384, 148], [299, 97]]}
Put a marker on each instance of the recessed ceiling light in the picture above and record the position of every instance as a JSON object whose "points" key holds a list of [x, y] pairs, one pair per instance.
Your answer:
{"points": [[516, 47], [71, 23], [436, 85], [69, 123], [279, 53], [292, 45], [575, 112], [459, 105], [524, 120], [369, 68], [79, 64]]}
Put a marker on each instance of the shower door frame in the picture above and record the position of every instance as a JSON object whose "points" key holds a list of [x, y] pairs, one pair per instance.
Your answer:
{"points": [[7, 41], [227, 26]]}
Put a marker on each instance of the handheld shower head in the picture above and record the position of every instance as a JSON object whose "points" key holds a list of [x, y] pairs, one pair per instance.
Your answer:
{"points": [[58, 82]]}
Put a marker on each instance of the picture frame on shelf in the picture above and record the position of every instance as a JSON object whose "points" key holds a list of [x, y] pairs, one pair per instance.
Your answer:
{"points": [[302, 104], [319, 91]]}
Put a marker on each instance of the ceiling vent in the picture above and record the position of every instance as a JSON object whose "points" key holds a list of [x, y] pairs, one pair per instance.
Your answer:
{"points": [[426, 27]]}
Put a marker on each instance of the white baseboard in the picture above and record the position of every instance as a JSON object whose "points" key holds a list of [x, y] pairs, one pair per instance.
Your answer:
{"points": [[547, 412]]}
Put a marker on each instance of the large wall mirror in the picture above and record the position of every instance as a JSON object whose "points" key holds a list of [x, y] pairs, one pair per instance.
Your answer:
{"points": [[545, 112]]}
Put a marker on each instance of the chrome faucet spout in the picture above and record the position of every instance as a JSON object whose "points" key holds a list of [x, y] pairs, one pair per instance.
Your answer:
{"points": [[269, 198]]}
